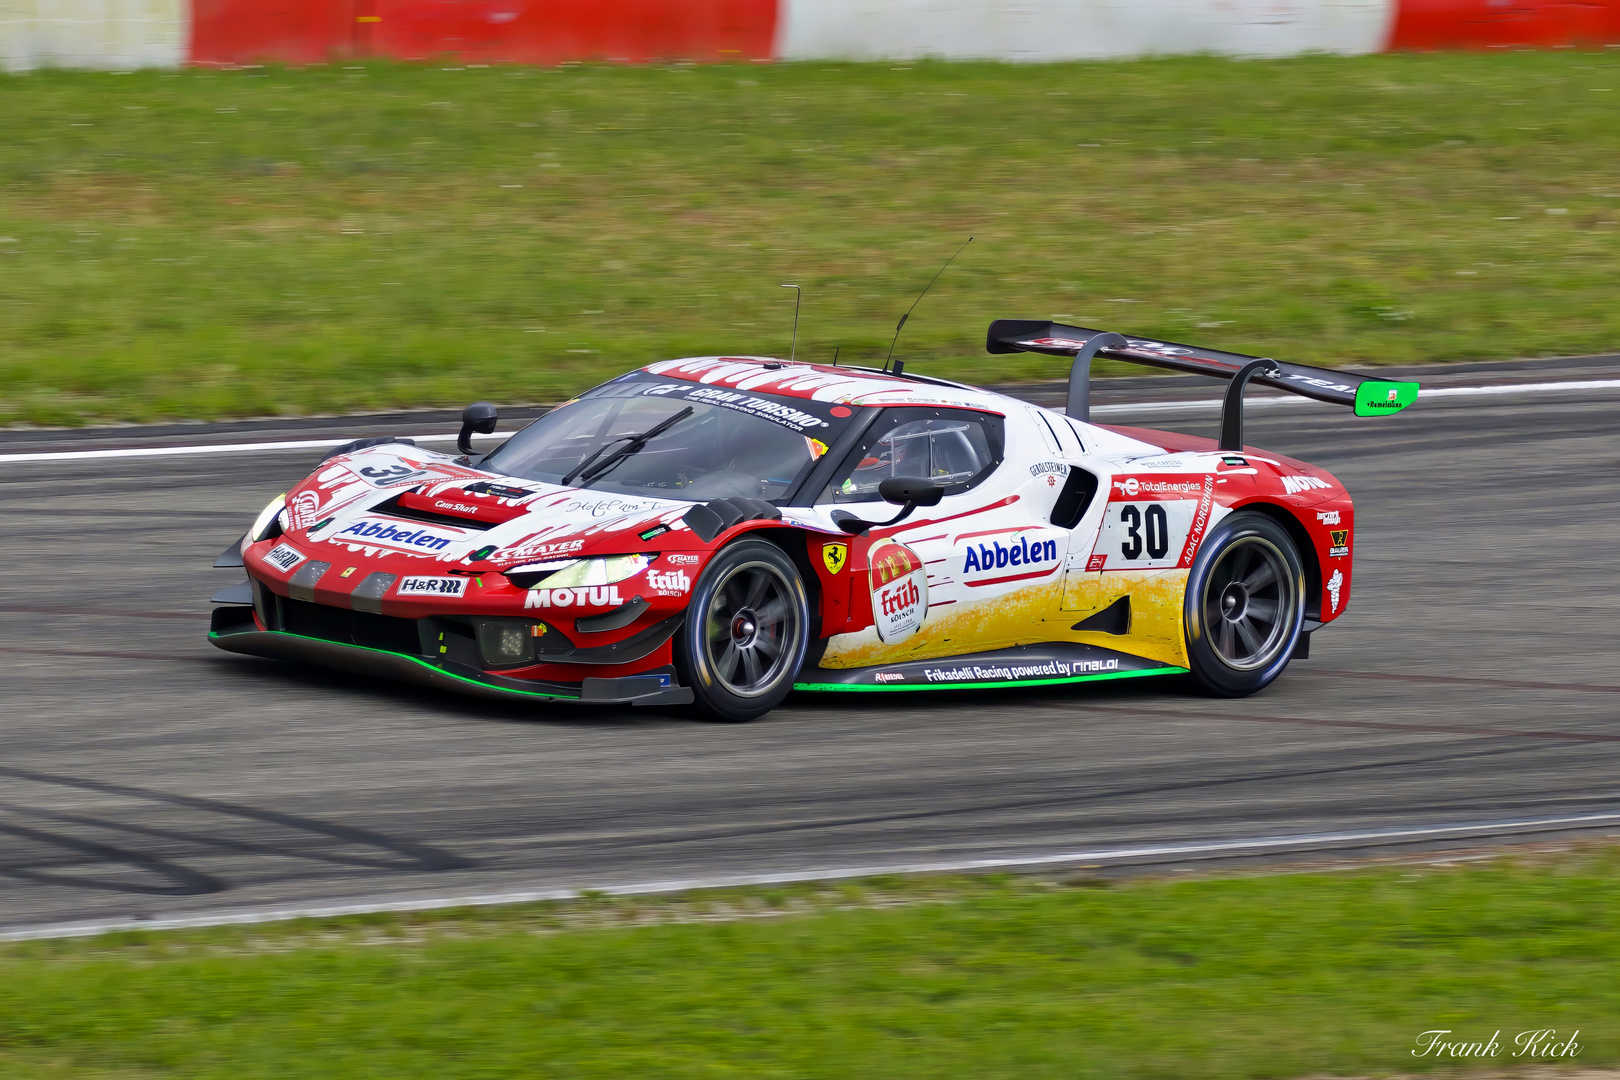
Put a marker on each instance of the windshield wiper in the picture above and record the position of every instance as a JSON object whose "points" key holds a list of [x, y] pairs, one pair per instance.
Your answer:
{"points": [[590, 457], [633, 444]]}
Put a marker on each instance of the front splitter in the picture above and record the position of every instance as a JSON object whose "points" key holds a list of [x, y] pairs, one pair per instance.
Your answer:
{"points": [[457, 678]]}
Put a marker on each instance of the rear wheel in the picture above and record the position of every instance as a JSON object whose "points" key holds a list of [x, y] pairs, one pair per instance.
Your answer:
{"points": [[746, 632], [1245, 605]]}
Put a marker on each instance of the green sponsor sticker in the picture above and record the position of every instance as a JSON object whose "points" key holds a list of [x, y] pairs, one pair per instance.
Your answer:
{"points": [[1375, 398]]}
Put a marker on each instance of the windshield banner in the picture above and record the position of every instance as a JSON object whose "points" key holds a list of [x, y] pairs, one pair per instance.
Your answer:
{"points": [[796, 415]]}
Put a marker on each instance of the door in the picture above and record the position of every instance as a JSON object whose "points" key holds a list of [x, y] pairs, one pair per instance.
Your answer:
{"points": [[910, 576]]}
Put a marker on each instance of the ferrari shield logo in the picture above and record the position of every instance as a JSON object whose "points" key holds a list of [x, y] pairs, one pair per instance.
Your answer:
{"points": [[834, 555]]}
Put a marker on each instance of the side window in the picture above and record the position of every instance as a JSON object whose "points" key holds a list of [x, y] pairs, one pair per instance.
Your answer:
{"points": [[953, 446]]}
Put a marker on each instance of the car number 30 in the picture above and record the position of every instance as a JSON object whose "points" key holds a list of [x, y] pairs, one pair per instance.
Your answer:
{"points": [[1155, 537]]}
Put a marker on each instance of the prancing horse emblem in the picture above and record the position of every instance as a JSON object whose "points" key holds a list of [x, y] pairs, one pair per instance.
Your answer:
{"points": [[834, 555]]}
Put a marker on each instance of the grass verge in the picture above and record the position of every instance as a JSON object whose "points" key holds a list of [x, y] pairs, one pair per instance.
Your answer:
{"points": [[1274, 976], [223, 243]]}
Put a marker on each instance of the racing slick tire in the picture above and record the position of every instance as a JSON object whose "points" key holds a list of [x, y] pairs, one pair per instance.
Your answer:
{"points": [[747, 628], [1245, 605]]}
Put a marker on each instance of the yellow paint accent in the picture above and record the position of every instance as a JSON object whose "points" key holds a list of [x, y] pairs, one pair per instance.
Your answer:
{"points": [[1156, 614], [835, 556], [1023, 617], [1031, 616], [368, 18]]}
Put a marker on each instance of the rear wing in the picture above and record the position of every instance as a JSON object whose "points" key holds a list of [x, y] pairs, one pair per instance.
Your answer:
{"points": [[1366, 395]]}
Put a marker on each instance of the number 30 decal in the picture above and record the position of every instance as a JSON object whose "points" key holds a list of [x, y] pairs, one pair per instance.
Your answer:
{"points": [[1158, 532]]}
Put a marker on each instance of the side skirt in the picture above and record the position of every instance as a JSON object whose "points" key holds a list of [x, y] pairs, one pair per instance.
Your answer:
{"points": [[1051, 664]]}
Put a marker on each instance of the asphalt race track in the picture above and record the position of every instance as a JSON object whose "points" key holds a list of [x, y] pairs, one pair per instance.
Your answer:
{"points": [[145, 773]]}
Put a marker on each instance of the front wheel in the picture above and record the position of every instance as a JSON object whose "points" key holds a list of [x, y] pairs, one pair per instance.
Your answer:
{"points": [[1245, 605], [746, 632]]}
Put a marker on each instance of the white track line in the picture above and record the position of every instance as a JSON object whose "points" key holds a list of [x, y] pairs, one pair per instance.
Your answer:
{"points": [[1257, 845], [1100, 410], [217, 448]]}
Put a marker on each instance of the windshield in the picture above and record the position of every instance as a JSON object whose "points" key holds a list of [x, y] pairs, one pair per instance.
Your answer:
{"points": [[733, 442]]}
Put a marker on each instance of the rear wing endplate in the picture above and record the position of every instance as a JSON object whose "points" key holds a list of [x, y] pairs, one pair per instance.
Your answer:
{"points": [[1367, 396]]}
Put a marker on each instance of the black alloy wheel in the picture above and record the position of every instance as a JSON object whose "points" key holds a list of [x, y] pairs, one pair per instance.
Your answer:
{"points": [[746, 632], [1245, 605]]}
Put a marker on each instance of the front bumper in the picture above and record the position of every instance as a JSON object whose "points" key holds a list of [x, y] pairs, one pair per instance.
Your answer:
{"points": [[234, 630]]}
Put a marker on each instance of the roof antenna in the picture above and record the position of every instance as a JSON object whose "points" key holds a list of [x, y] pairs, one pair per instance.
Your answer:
{"points": [[917, 301], [798, 298], [835, 354]]}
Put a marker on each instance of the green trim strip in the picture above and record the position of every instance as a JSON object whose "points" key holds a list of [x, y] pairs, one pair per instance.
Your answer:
{"points": [[212, 636], [848, 687]]}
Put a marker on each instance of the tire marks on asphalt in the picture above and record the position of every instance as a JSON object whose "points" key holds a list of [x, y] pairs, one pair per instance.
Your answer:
{"points": [[103, 613], [1456, 680], [1375, 725], [52, 856], [106, 654], [1085, 791]]}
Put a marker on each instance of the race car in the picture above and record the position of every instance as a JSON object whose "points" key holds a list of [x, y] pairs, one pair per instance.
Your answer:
{"points": [[723, 530]]}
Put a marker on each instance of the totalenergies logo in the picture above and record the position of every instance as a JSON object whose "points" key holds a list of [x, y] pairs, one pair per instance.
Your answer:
{"points": [[1132, 486]]}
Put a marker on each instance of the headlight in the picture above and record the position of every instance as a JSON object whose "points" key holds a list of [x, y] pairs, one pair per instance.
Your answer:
{"points": [[572, 573], [265, 525], [505, 643]]}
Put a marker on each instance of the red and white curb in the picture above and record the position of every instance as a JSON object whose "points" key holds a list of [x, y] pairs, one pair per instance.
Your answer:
{"points": [[125, 34]]}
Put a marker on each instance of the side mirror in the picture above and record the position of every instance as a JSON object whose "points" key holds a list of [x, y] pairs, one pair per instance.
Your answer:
{"points": [[911, 491], [480, 416], [907, 492]]}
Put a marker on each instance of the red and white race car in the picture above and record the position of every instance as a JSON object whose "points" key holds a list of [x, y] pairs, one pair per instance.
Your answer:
{"points": [[723, 530]]}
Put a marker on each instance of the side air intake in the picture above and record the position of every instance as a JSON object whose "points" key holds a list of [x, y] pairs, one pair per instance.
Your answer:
{"points": [[1075, 498]]}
